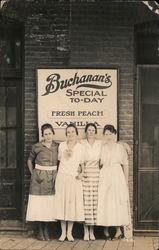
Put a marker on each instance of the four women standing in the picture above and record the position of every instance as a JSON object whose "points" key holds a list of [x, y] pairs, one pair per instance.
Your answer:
{"points": [[102, 200]]}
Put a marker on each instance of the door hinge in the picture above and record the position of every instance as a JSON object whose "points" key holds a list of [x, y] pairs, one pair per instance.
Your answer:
{"points": [[135, 208], [136, 142]]}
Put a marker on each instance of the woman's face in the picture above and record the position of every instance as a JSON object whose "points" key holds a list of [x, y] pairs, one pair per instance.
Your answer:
{"points": [[90, 132], [48, 135], [109, 136], [71, 134]]}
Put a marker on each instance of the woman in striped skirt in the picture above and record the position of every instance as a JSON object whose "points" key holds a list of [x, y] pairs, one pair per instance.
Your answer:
{"points": [[91, 170]]}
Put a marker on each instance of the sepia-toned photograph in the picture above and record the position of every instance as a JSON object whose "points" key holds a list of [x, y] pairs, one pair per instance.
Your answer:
{"points": [[79, 124]]}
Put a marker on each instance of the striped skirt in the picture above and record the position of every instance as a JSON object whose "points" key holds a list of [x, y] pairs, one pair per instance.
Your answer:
{"points": [[90, 193]]}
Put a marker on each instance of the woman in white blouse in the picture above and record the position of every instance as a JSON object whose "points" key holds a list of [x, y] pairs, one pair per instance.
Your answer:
{"points": [[113, 195], [69, 192]]}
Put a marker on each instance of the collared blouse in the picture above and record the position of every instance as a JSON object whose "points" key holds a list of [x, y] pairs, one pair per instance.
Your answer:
{"points": [[43, 182], [43, 155], [70, 160]]}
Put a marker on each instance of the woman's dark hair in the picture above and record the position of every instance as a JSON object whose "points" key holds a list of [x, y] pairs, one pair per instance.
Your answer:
{"points": [[91, 125], [71, 125], [110, 128], [46, 126]]}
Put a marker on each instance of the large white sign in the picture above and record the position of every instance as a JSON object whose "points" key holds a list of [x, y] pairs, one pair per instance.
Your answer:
{"points": [[76, 96]]}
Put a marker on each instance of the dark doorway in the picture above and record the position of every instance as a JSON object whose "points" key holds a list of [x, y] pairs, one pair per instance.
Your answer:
{"points": [[147, 148], [11, 168]]}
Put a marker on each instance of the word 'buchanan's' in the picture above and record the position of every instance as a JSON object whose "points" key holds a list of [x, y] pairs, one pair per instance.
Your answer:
{"points": [[55, 82]]}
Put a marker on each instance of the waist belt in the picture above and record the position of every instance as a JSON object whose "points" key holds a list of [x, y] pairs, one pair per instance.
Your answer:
{"points": [[37, 166]]}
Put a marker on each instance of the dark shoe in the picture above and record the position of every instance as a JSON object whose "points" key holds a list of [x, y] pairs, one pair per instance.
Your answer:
{"points": [[40, 236], [46, 234], [108, 237], [117, 238]]}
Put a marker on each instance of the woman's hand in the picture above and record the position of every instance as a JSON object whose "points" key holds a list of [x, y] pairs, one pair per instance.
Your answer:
{"points": [[79, 176], [126, 172], [100, 164], [79, 170], [30, 166]]}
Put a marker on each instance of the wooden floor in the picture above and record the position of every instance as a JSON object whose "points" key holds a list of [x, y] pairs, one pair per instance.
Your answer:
{"points": [[17, 242]]}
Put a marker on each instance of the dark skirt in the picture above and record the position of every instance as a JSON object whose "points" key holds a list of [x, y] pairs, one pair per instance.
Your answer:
{"points": [[43, 182]]}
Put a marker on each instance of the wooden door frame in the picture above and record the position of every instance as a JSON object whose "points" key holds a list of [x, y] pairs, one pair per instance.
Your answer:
{"points": [[19, 76], [137, 122], [16, 224]]}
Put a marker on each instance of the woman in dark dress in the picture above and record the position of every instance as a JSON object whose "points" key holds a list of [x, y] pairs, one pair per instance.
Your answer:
{"points": [[42, 164]]}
